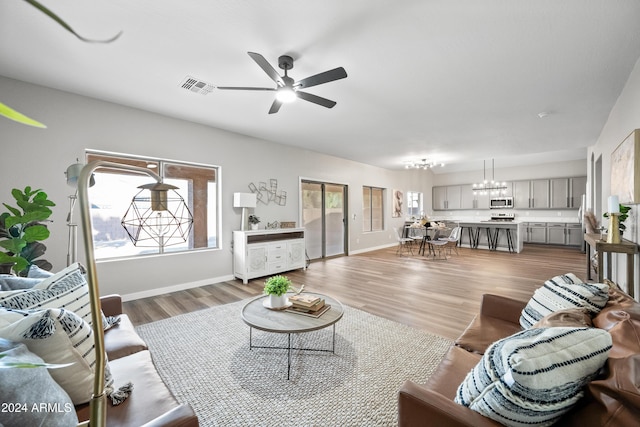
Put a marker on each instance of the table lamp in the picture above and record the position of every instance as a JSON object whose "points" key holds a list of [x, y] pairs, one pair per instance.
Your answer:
{"points": [[244, 201], [613, 236]]}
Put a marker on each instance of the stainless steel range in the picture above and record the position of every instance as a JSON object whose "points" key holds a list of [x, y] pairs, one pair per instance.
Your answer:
{"points": [[502, 217]]}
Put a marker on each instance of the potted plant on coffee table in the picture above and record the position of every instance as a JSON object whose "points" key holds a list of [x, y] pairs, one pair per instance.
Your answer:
{"points": [[276, 287]]}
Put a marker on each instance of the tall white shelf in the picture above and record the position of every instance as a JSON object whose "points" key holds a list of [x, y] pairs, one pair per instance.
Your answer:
{"points": [[258, 253]]}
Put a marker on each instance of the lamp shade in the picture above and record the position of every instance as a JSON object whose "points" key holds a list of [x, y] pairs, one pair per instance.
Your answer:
{"points": [[73, 172], [244, 200]]}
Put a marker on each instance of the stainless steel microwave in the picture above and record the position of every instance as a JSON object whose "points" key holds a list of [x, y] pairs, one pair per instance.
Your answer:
{"points": [[501, 203]]}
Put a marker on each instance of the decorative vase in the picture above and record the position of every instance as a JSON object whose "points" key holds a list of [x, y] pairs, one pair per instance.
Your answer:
{"points": [[254, 226], [276, 301]]}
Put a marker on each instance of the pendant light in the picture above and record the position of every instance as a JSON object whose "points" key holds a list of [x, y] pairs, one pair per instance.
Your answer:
{"points": [[492, 188]]}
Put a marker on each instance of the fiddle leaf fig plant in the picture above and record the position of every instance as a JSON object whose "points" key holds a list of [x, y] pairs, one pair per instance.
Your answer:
{"points": [[22, 229]]}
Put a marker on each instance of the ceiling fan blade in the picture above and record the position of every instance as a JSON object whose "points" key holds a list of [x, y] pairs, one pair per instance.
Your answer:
{"points": [[266, 67], [316, 99], [275, 107], [244, 88], [326, 77]]}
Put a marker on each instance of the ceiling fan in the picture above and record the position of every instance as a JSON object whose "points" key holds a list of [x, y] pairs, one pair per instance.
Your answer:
{"points": [[287, 89]]}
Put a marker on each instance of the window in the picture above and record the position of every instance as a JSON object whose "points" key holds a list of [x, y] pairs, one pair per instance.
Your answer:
{"points": [[372, 209], [414, 204], [114, 189]]}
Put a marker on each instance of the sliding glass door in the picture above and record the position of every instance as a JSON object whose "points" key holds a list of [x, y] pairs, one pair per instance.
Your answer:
{"points": [[323, 216]]}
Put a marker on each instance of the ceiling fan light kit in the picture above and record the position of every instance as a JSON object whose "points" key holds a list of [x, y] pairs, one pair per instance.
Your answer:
{"points": [[288, 90]]}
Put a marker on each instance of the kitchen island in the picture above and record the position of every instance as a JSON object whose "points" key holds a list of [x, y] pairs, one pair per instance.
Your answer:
{"points": [[495, 235]]}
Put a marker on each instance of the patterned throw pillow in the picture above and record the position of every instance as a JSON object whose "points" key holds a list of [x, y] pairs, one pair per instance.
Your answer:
{"points": [[66, 289], [534, 377], [562, 292], [57, 336]]}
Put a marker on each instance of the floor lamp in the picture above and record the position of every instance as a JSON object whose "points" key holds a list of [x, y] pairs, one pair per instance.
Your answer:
{"points": [[97, 404], [244, 201], [72, 174]]}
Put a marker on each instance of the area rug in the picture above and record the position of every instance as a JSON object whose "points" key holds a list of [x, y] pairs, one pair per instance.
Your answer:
{"points": [[204, 358]]}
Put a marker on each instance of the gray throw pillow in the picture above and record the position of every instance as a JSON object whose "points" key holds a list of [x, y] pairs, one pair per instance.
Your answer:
{"points": [[31, 397], [9, 282]]}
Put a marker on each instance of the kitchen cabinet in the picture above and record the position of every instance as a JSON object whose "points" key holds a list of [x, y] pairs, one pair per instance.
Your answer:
{"points": [[536, 232], [468, 200], [447, 197], [574, 235], [556, 233], [531, 194], [258, 253], [567, 192]]}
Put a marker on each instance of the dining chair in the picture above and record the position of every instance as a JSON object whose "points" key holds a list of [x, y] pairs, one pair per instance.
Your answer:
{"points": [[404, 243], [453, 239]]}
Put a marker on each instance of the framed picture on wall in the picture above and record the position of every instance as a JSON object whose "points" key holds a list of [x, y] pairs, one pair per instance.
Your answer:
{"points": [[398, 201], [625, 169]]}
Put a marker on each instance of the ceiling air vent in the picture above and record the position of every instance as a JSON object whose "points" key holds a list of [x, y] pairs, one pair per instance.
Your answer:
{"points": [[198, 86]]}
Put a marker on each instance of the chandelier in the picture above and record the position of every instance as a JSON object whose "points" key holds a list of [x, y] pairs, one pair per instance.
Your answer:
{"points": [[422, 164], [493, 187]]}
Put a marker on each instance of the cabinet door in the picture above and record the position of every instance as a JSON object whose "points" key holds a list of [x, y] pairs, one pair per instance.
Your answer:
{"points": [[555, 234], [454, 197], [577, 188], [256, 260], [482, 201], [467, 199], [537, 233], [439, 198], [575, 236], [521, 195], [540, 194], [296, 258], [560, 193]]}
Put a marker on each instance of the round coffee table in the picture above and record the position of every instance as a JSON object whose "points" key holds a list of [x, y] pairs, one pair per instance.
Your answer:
{"points": [[256, 315]]}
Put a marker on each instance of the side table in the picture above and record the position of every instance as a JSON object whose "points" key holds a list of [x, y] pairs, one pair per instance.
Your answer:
{"points": [[601, 247]]}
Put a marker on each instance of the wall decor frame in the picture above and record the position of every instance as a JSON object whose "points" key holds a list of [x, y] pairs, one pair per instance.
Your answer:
{"points": [[398, 200], [625, 169]]}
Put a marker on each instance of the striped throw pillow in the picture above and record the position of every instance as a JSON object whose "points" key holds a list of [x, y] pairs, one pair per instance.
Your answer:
{"points": [[66, 289], [562, 292], [534, 377]]}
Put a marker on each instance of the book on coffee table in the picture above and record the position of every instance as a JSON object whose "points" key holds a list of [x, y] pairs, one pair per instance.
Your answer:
{"points": [[307, 312], [304, 300]]}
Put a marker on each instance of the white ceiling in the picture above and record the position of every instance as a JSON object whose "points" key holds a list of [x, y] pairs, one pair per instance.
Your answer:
{"points": [[457, 81]]}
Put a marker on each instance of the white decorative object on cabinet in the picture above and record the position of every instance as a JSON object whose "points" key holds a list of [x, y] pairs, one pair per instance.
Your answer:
{"points": [[258, 253]]}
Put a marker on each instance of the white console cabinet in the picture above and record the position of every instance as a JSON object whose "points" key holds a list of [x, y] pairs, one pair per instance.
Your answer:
{"points": [[258, 253]]}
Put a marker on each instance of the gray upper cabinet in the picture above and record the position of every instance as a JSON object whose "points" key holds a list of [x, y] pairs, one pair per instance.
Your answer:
{"points": [[577, 188], [567, 192], [540, 194], [521, 195], [447, 197], [555, 193]]}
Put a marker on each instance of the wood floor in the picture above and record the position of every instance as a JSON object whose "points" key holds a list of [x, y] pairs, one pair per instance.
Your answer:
{"points": [[440, 297]]}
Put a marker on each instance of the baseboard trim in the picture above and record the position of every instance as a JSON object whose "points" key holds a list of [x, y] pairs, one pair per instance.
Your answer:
{"points": [[175, 288], [374, 248]]}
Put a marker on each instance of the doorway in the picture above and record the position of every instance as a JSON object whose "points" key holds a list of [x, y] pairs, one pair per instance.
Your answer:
{"points": [[324, 213]]}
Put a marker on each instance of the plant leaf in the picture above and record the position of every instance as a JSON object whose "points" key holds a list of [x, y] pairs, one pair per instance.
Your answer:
{"points": [[66, 26], [12, 114]]}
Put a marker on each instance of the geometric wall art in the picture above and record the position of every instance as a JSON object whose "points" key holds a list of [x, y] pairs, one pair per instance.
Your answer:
{"points": [[266, 194]]}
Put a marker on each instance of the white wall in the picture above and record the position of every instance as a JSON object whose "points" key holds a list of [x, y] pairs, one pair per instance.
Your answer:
{"points": [[39, 157], [623, 119]]}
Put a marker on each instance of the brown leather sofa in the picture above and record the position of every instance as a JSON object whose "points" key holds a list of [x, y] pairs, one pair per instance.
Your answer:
{"points": [[151, 403], [612, 399]]}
